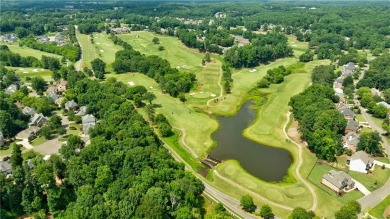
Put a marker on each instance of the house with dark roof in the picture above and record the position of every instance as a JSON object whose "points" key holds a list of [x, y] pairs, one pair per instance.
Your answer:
{"points": [[350, 67], [352, 126], [11, 89], [338, 181], [360, 162], [28, 111], [28, 134], [38, 120], [71, 105], [351, 140], [347, 113]]}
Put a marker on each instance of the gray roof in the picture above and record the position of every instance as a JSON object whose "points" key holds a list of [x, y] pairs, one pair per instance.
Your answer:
{"points": [[346, 112], [346, 73], [383, 103], [362, 155], [87, 127], [88, 119], [11, 89], [5, 166], [352, 125], [25, 134], [71, 104], [82, 111], [38, 119], [350, 66], [28, 111], [352, 138], [339, 80], [339, 179], [341, 106], [340, 95], [53, 96]]}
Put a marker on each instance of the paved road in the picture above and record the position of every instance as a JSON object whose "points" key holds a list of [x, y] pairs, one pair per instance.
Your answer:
{"points": [[371, 200]]}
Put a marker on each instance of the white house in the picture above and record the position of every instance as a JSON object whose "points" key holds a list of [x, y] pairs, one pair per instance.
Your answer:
{"points": [[360, 162]]}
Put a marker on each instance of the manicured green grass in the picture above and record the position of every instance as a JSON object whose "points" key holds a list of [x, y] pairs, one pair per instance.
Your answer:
{"points": [[378, 210], [38, 141], [199, 126], [383, 159], [173, 141], [105, 49], [8, 151], [298, 47], [27, 51], [378, 122], [360, 118], [316, 177], [372, 181], [182, 58], [32, 72], [88, 49]]}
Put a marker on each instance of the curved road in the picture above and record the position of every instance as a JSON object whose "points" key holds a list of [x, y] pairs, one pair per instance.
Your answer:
{"points": [[313, 194]]}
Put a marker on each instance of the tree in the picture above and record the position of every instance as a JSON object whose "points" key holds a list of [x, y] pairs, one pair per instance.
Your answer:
{"points": [[246, 203], [149, 96], [38, 83], [207, 57], [156, 40], [55, 122], [98, 67], [266, 212], [386, 95], [161, 48], [370, 142], [226, 86], [46, 131], [348, 211], [300, 213], [150, 111], [16, 157], [182, 97], [165, 129], [307, 56]]}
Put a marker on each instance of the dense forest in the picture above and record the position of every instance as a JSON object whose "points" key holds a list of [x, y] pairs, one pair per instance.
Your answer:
{"points": [[124, 173]]}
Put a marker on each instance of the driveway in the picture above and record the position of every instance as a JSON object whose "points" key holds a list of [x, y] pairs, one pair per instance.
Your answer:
{"points": [[49, 147], [25, 144], [361, 188], [381, 164]]}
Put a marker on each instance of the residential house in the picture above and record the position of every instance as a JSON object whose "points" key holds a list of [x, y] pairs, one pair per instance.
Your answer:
{"points": [[339, 80], [338, 85], [241, 41], [338, 181], [345, 74], [376, 92], [11, 89], [8, 38], [28, 111], [53, 96], [348, 114], [351, 140], [352, 126], [341, 97], [338, 91], [47, 157], [38, 120], [350, 67], [71, 105], [28, 134], [5, 167], [1, 139], [43, 39], [220, 15], [82, 111], [340, 106], [61, 86], [88, 122], [360, 162]]}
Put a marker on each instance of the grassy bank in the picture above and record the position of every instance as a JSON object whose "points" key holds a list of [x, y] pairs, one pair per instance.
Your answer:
{"points": [[378, 210], [25, 51]]}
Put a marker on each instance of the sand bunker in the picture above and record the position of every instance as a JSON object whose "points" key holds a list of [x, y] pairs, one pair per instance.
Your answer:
{"points": [[131, 83], [253, 70], [101, 50], [35, 70], [213, 95]]}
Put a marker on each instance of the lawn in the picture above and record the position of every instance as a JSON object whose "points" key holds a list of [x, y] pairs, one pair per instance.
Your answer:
{"points": [[9, 150], [315, 177], [32, 72], [199, 124], [184, 59], [88, 49], [105, 49], [27, 51], [383, 159], [360, 118], [378, 210], [298, 47], [38, 141], [372, 181]]}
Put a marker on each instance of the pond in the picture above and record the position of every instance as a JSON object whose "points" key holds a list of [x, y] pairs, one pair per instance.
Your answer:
{"points": [[263, 162]]}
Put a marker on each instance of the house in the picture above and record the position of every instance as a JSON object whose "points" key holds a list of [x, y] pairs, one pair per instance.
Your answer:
{"points": [[338, 85], [339, 80], [350, 67], [338, 91], [5, 166], [360, 162], [341, 97], [241, 41], [220, 15], [61, 87], [351, 140], [82, 111], [52, 89], [38, 120], [28, 111], [8, 38], [1, 139], [11, 89], [345, 74], [28, 134], [71, 105], [348, 114], [88, 122], [53, 96], [338, 181], [375, 92], [352, 126], [47, 157], [340, 106]]}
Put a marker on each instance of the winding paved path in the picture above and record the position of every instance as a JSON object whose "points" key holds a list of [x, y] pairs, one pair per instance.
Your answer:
{"points": [[313, 194]]}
